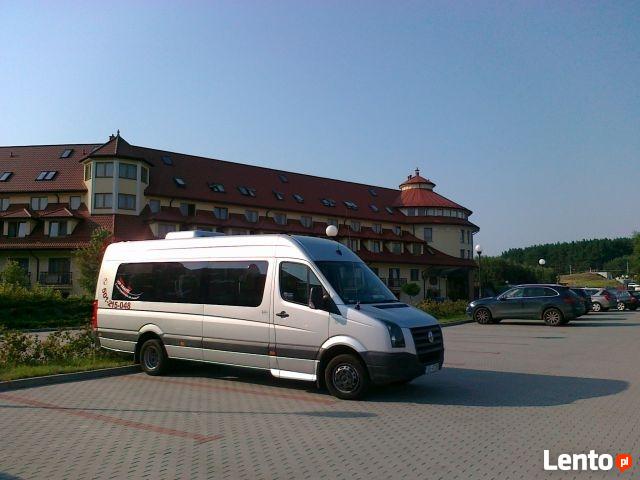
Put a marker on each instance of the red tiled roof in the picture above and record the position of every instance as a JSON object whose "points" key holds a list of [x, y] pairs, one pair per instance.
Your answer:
{"points": [[421, 197], [27, 162], [416, 179], [16, 211]]}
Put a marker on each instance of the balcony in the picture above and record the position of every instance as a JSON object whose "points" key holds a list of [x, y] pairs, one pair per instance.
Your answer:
{"points": [[394, 282], [55, 278]]}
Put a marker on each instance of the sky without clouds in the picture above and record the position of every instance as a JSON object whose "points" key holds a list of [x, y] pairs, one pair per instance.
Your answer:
{"points": [[528, 113]]}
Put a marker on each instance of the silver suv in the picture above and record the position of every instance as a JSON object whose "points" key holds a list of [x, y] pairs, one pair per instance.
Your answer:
{"points": [[601, 299]]}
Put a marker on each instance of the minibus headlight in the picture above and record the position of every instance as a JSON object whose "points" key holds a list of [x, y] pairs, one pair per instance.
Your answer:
{"points": [[395, 334]]}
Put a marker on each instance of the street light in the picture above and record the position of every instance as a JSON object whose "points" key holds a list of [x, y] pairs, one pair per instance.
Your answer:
{"points": [[478, 250], [332, 231], [542, 262]]}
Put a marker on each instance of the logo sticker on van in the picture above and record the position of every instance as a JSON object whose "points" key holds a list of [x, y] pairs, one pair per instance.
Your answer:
{"points": [[125, 290]]}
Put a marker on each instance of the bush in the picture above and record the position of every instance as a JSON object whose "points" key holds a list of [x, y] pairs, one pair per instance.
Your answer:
{"points": [[27, 349], [445, 309], [411, 289], [14, 274]]}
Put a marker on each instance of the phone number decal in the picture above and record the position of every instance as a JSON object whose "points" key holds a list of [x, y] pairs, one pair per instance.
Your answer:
{"points": [[118, 305]]}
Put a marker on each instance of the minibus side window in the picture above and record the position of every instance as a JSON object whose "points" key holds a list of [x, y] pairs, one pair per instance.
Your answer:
{"points": [[296, 281], [238, 283]]}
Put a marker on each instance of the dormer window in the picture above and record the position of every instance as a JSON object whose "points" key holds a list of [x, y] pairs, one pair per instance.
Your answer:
{"points": [[278, 195], [74, 202], [247, 191], [372, 192], [66, 153], [46, 175], [39, 203], [4, 204], [328, 202], [217, 187], [179, 181], [298, 198], [166, 159], [5, 176], [374, 208], [283, 178], [58, 228], [389, 210], [351, 205]]}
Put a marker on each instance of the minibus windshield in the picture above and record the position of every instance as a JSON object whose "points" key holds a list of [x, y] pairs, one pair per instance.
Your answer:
{"points": [[355, 282]]}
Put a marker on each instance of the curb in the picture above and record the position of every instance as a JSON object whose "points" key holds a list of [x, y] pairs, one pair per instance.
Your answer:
{"points": [[453, 324], [67, 377]]}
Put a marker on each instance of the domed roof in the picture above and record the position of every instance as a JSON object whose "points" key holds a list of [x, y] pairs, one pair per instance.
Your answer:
{"points": [[416, 181], [417, 191]]}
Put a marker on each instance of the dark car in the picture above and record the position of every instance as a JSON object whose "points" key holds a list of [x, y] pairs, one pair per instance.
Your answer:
{"points": [[584, 296], [627, 300], [554, 304]]}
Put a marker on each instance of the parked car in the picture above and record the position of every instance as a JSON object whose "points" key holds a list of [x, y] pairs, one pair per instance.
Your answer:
{"points": [[554, 304], [584, 296], [636, 295], [601, 299], [300, 307], [626, 301]]}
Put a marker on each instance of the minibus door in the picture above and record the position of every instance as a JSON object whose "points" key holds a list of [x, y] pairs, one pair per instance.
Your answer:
{"points": [[300, 330]]}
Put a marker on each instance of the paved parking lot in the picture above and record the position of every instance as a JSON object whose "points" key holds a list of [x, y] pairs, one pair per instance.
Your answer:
{"points": [[509, 391]]}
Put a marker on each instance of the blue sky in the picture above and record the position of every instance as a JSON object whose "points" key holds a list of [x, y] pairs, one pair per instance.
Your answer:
{"points": [[526, 112]]}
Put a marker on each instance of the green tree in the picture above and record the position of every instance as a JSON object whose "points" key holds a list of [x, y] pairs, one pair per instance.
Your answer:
{"points": [[14, 274], [634, 260], [411, 289], [89, 259]]}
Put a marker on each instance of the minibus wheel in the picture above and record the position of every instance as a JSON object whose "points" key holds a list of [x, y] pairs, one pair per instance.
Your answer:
{"points": [[346, 377], [153, 358]]}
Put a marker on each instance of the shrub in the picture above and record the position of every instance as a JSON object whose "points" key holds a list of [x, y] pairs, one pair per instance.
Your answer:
{"points": [[89, 259], [445, 309], [411, 289], [14, 275]]}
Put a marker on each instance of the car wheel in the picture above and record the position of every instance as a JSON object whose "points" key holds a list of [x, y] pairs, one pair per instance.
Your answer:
{"points": [[153, 358], [596, 307], [621, 306], [346, 377], [482, 316], [553, 317]]}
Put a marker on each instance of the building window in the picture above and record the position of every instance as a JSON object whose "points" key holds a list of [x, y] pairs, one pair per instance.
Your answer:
{"points": [[416, 249], [127, 170], [431, 212], [221, 213], [374, 208], [355, 225], [278, 195], [126, 202], [462, 254], [414, 274], [103, 200], [164, 228], [17, 229], [74, 202], [469, 239], [283, 178], [251, 216], [469, 254], [104, 169], [154, 206], [411, 212], [39, 203], [306, 221], [396, 247], [298, 198], [428, 234], [280, 218], [58, 229], [87, 171], [167, 160], [375, 246], [247, 191], [217, 187], [377, 228], [438, 212], [332, 221], [188, 209], [353, 244], [4, 204], [46, 175], [179, 181], [144, 174], [462, 236], [5, 176], [397, 230], [350, 205], [328, 202]]}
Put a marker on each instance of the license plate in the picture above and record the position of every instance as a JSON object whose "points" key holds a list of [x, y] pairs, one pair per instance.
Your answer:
{"points": [[433, 368]]}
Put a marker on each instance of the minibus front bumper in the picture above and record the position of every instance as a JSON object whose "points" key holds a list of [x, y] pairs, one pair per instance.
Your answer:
{"points": [[387, 368]]}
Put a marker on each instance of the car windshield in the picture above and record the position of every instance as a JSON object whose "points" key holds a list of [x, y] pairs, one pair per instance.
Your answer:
{"points": [[355, 282]]}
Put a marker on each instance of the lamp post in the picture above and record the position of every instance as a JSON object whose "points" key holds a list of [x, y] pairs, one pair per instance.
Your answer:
{"points": [[542, 262], [478, 250]]}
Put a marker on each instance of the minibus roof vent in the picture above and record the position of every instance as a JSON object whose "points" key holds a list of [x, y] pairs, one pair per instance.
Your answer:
{"points": [[191, 234]]}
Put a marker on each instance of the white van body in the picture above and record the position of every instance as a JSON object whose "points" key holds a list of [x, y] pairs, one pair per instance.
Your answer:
{"points": [[245, 301]]}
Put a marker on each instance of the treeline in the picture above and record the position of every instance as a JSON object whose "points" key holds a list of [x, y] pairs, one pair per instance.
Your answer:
{"points": [[497, 274], [578, 256]]}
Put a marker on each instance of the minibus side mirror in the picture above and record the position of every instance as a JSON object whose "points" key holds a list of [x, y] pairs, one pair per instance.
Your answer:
{"points": [[316, 298]]}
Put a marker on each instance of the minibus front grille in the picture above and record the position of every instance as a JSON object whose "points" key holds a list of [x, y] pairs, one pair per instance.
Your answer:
{"points": [[428, 352]]}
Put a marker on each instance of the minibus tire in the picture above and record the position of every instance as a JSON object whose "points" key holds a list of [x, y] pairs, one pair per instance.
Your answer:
{"points": [[343, 370], [153, 358]]}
